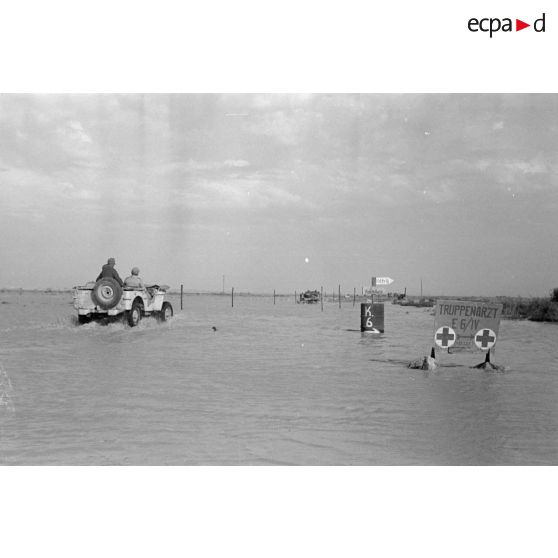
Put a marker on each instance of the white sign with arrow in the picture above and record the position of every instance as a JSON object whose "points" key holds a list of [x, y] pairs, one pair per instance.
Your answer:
{"points": [[378, 281]]}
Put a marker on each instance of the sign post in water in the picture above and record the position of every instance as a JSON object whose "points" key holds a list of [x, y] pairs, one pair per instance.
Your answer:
{"points": [[381, 281], [465, 324], [372, 317]]}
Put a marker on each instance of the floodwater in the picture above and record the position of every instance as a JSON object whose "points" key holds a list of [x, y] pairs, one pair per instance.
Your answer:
{"points": [[280, 384]]}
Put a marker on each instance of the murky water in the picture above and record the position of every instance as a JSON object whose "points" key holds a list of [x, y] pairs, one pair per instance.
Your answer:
{"points": [[275, 384]]}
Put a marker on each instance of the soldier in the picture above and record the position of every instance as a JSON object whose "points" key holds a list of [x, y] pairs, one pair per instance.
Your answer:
{"points": [[134, 280], [109, 271]]}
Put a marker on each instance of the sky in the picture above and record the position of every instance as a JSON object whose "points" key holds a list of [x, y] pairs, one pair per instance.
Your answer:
{"points": [[265, 192]]}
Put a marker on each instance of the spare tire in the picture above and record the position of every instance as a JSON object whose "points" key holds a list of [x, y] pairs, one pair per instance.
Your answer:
{"points": [[106, 293]]}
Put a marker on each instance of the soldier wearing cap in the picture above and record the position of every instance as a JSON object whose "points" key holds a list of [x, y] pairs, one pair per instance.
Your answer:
{"points": [[109, 271]]}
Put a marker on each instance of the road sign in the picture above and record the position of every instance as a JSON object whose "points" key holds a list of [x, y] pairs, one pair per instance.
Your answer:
{"points": [[469, 320], [485, 339], [445, 337], [379, 281], [372, 317]]}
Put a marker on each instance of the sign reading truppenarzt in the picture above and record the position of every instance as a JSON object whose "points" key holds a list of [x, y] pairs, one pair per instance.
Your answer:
{"points": [[464, 324]]}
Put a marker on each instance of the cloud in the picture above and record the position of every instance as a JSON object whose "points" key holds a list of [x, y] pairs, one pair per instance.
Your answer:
{"points": [[192, 167], [72, 144], [534, 166], [276, 101], [74, 130], [242, 193], [236, 163], [289, 127], [538, 171], [26, 190]]}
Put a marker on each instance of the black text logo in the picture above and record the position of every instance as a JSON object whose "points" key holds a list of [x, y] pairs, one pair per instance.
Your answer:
{"points": [[493, 25]]}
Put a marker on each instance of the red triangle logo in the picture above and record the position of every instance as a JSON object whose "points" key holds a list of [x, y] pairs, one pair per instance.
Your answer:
{"points": [[519, 25]]}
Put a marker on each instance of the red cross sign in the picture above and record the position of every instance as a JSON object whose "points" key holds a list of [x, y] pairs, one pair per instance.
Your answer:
{"points": [[485, 339], [444, 337], [467, 319]]}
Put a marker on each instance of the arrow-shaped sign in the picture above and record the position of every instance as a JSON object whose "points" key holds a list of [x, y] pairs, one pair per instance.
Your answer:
{"points": [[377, 281], [519, 25]]}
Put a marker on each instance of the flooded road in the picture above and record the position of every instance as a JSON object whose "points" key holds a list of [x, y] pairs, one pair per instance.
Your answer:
{"points": [[281, 384]]}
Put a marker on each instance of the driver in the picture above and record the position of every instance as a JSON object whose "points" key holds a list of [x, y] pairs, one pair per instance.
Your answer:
{"points": [[134, 280]]}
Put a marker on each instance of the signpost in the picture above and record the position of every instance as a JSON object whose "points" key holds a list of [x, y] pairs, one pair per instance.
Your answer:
{"points": [[465, 324], [381, 281], [372, 317]]}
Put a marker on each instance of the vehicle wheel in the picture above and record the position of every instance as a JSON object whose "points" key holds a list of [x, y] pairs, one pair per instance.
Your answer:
{"points": [[166, 312], [106, 293], [134, 315], [84, 319]]}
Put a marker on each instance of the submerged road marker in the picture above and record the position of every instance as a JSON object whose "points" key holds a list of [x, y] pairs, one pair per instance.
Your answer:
{"points": [[372, 317]]}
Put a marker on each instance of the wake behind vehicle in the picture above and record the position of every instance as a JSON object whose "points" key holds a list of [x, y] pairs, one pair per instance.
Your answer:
{"points": [[106, 298]]}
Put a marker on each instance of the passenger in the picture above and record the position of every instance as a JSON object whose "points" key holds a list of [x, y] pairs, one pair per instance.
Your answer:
{"points": [[109, 271], [134, 280]]}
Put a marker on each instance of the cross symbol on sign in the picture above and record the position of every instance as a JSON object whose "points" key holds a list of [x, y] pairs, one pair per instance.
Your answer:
{"points": [[445, 337], [485, 339]]}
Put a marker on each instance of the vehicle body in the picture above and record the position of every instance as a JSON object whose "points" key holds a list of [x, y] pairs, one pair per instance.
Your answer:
{"points": [[309, 297], [106, 298]]}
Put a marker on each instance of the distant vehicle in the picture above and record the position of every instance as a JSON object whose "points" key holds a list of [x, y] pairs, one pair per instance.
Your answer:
{"points": [[421, 303], [309, 297], [106, 297]]}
